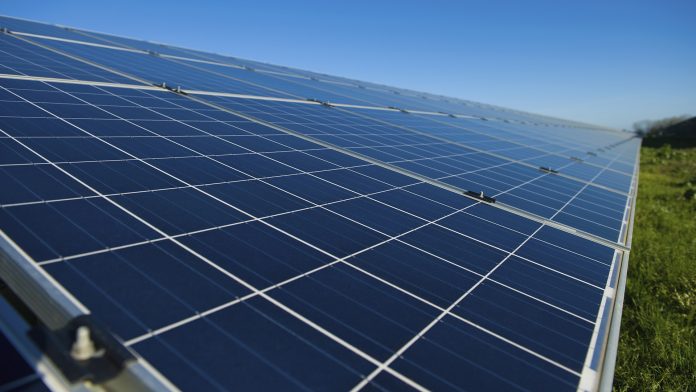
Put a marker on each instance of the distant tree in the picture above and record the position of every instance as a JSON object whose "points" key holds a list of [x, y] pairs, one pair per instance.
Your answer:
{"points": [[654, 128]]}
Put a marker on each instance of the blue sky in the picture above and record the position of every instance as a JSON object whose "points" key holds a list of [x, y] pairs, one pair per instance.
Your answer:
{"points": [[604, 62]]}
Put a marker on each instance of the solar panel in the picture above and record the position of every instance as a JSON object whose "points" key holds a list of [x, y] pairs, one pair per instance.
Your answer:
{"points": [[228, 224]]}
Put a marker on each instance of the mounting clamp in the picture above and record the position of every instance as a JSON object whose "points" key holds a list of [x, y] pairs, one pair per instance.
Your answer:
{"points": [[547, 170], [480, 196], [176, 89], [319, 101], [83, 350], [399, 109]]}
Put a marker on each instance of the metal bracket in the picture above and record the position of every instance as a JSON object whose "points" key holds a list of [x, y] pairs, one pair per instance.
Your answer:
{"points": [[480, 196], [176, 89], [399, 109], [547, 170], [83, 350], [322, 103]]}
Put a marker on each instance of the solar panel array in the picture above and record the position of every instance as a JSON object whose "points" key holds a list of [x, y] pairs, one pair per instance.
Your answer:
{"points": [[241, 225]]}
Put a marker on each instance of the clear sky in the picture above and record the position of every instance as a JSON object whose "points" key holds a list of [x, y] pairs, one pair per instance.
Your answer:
{"points": [[604, 62]]}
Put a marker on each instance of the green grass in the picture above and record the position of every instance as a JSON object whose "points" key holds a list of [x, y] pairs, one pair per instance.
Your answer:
{"points": [[657, 345]]}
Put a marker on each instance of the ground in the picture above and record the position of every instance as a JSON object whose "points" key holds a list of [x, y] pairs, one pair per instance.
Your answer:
{"points": [[657, 345]]}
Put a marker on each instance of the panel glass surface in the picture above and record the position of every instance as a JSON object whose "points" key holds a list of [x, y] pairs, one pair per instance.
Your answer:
{"points": [[241, 243]]}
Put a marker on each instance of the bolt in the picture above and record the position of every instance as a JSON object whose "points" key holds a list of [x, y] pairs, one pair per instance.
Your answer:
{"points": [[83, 348]]}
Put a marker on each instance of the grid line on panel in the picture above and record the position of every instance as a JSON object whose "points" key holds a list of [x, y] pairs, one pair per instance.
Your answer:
{"points": [[79, 82], [341, 133], [419, 177], [478, 149], [384, 89], [385, 365], [173, 239], [518, 143], [412, 174], [73, 41], [122, 46], [381, 365], [252, 288], [492, 152], [140, 51], [237, 154], [344, 261], [378, 201], [305, 274], [331, 146], [366, 195], [125, 75], [289, 310]]}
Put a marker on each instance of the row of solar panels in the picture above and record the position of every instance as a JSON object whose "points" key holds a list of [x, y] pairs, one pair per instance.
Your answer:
{"points": [[237, 235]]}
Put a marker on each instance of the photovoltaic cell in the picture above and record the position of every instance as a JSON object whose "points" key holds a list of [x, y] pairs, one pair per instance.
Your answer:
{"points": [[269, 242]]}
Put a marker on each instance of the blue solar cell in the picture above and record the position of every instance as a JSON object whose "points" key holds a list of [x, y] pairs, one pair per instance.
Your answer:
{"points": [[311, 188], [35, 183], [264, 348], [301, 161], [37, 126], [27, 26], [455, 355], [256, 143], [557, 257], [330, 232], [180, 210], [414, 204], [465, 252], [385, 175], [11, 155], [237, 250], [433, 279], [257, 198], [23, 58], [145, 287], [197, 170], [373, 317], [440, 195], [522, 319], [257, 165], [491, 232], [120, 176], [385, 219], [22, 109], [548, 285], [353, 179], [83, 226]]}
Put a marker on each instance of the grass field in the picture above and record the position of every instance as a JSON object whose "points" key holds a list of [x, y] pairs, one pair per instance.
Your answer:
{"points": [[657, 345]]}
